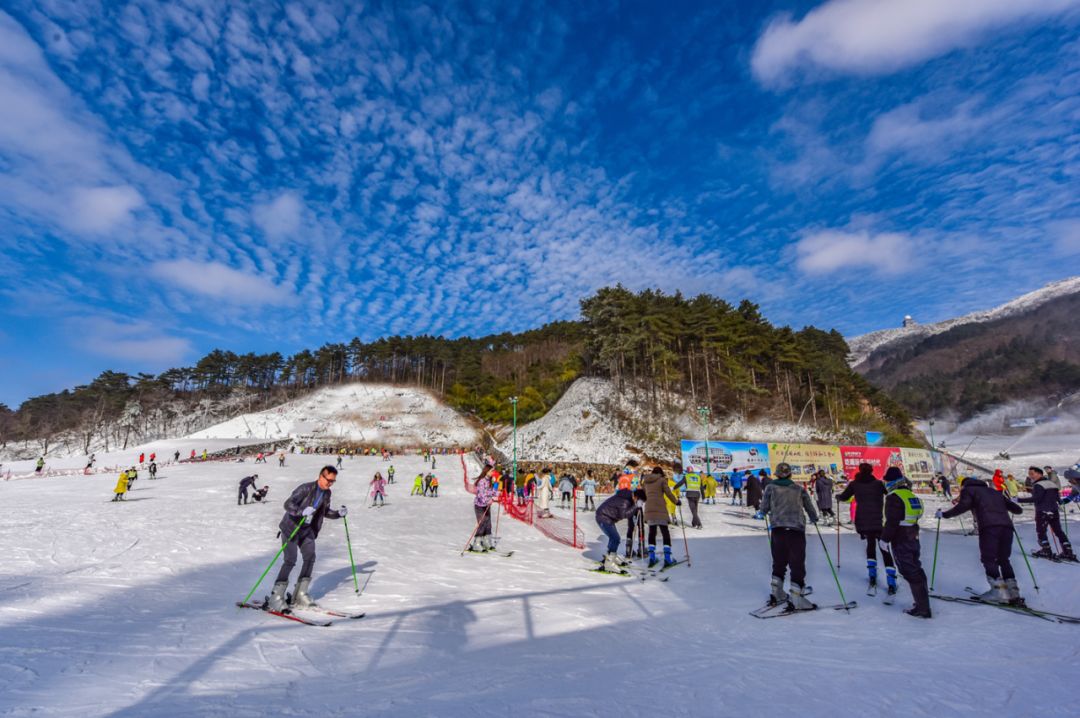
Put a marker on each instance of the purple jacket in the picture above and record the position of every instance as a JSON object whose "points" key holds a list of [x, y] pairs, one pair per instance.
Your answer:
{"points": [[485, 492]]}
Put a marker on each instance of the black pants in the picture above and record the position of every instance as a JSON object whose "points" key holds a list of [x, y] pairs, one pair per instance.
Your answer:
{"points": [[736, 495], [565, 498], [589, 503], [242, 495], [483, 520], [995, 546], [789, 552], [694, 520], [665, 533], [872, 537], [826, 510], [304, 541], [907, 552], [1051, 519]]}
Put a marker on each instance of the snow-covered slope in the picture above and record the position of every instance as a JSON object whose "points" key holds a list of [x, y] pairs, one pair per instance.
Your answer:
{"points": [[864, 345], [380, 414], [126, 610]]}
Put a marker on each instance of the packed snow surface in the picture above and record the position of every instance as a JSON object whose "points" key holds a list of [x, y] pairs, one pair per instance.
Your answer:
{"points": [[374, 414], [126, 609], [864, 345]]}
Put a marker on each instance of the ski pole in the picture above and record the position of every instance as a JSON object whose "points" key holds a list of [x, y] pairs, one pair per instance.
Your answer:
{"points": [[686, 544], [937, 538], [348, 542], [273, 561], [475, 529], [498, 515], [838, 532], [831, 568], [1023, 553], [768, 531]]}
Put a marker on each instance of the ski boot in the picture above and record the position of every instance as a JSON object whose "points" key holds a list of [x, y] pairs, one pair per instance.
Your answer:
{"points": [[998, 593], [301, 598], [652, 556], [777, 595], [890, 579], [1012, 590], [1066, 554], [611, 564], [621, 560], [277, 601], [797, 600], [629, 552], [668, 560], [1044, 552]]}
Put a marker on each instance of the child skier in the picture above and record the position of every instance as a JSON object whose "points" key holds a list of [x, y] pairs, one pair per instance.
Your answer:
{"points": [[902, 512], [869, 495], [434, 486], [785, 501], [621, 506], [378, 489], [992, 510], [306, 507], [588, 487], [1046, 496], [260, 495], [153, 469], [485, 495], [657, 492]]}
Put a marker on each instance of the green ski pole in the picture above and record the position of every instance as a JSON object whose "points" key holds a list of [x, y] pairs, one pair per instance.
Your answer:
{"points": [[768, 531], [348, 542], [272, 562], [937, 539], [1023, 553], [831, 568]]}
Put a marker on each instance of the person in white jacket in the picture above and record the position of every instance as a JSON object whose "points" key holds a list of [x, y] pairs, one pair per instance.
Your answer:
{"points": [[543, 495]]}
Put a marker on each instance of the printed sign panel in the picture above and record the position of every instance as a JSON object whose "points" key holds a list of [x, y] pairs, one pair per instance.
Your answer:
{"points": [[919, 464], [725, 456], [805, 459], [878, 457]]}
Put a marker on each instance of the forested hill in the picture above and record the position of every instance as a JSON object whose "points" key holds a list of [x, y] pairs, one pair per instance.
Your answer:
{"points": [[701, 351]]}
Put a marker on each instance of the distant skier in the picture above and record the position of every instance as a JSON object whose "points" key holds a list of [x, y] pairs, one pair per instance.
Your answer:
{"points": [[754, 489], [434, 486], [90, 463], [193, 454], [176, 456], [485, 495], [869, 495], [903, 509], [40, 465], [390, 474], [620, 507], [260, 495], [142, 458], [306, 507], [784, 502], [566, 489], [946, 486], [248, 482], [152, 468], [1046, 496], [418, 486], [121, 487], [281, 459], [992, 510], [132, 475], [378, 489], [657, 492], [690, 481], [588, 488]]}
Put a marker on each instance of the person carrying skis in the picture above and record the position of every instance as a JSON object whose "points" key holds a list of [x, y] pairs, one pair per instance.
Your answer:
{"points": [[588, 487], [785, 502], [305, 508], [1046, 496], [248, 482], [657, 493], [901, 531], [737, 489], [992, 510], [378, 489], [690, 482], [621, 506], [485, 495], [121, 487], [869, 495]]}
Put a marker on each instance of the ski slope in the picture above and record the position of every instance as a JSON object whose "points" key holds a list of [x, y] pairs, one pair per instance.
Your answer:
{"points": [[127, 609]]}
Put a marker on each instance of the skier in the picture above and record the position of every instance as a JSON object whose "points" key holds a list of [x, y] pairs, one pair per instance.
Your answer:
{"points": [[434, 486], [281, 459], [121, 487], [566, 488], [339, 462], [485, 495], [260, 495], [1046, 496], [691, 483], [736, 488], [657, 492], [248, 482], [622, 505], [823, 489], [378, 489], [946, 487], [543, 496], [90, 463], [176, 456], [193, 454], [142, 458], [40, 464], [153, 469], [902, 512], [132, 475], [306, 507], [418, 485], [588, 487], [754, 489], [784, 502], [995, 536], [390, 474], [869, 495]]}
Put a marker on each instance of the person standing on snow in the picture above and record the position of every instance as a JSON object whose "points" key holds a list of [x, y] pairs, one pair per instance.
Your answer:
{"points": [[690, 482], [736, 482], [390, 474], [40, 464], [485, 495], [434, 486], [901, 531], [152, 468], [588, 487], [823, 490], [417, 486], [566, 488], [992, 510], [869, 495], [784, 502], [121, 487], [378, 489], [1046, 496], [543, 495], [657, 493], [248, 482], [621, 506], [306, 507], [754, 489]]}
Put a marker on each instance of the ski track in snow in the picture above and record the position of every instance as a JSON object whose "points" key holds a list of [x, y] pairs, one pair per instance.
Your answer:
{"points": [[126, 609]]}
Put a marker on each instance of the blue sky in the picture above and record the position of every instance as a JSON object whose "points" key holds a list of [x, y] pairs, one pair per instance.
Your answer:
{"points": [[180, 176]]}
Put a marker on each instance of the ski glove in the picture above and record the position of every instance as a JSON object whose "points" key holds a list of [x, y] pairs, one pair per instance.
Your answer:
{"points": [[308, 513], [759, 516], [678, 502], [937, 514], [342, 511]]}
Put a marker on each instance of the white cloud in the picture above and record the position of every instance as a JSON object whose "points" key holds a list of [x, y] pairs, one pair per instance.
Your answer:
{"points": [[867, 37], [132, 342], [99, 209], [1066, 234], [217, 281], [279, 217], [831, 250]]}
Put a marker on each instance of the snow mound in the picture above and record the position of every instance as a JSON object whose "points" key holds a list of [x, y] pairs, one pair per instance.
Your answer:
{"points": [[866, 344], [380, 414]]}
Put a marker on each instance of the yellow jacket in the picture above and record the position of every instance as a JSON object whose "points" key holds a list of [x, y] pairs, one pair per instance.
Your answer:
{"points": [[121, 483]]}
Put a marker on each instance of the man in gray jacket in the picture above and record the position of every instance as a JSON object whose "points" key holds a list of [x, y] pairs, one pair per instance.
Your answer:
{"points": [[784, 502]]}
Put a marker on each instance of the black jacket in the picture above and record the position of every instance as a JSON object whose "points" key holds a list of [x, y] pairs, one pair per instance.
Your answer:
{"points": [[894, 514], [617, 508], [303, 496], [247, 481], [754, 490], [991, 508], [869, 494], [1046, 496]]}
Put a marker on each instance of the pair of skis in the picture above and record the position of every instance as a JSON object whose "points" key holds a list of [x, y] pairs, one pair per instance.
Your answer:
{"points": [[288, 614], [973, 599], [778, 610], [490, 552], [643, 574], [890, 597]]}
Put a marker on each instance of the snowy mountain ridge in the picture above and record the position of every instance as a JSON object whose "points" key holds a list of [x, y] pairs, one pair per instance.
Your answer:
{"points": [[864, 345]]}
